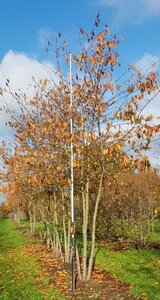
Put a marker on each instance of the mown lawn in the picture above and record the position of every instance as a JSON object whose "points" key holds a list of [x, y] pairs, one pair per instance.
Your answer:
{"points": [[138, 268], [20, 275]]}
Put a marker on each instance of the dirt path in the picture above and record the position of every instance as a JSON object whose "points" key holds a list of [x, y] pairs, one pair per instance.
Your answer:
{"points": [[21, 277], [29, 272], [102, 285]]}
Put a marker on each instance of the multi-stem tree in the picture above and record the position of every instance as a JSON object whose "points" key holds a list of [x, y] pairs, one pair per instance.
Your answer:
{"points": [[107, 119]]}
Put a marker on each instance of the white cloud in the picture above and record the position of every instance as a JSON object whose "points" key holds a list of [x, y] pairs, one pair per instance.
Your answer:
{"points": [[148, 63], [19, 69], [132, 11], [45, 34]]}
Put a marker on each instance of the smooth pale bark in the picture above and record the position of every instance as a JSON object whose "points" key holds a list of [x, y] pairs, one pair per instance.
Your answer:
{"points": [[31, 221], [78, 264], [57, 242], [85, 272], [47, 235], [85, 199], [69, 239], [34, 218], [17, 218], [90, 266], [66, 231]]}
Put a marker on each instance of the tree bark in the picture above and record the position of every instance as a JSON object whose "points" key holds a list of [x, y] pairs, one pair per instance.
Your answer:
{"points": [[90, 266], [85, 198]]}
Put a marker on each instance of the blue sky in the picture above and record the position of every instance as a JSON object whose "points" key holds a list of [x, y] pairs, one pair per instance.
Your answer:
{"points": [[25, 26], [22, 21]]}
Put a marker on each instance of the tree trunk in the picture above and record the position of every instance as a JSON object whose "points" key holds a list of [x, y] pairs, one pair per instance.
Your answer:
{"points": [[31, 221], [66, 232], [34, 218], [78, 264], [85, 198], [57, 242], [90, 266]]}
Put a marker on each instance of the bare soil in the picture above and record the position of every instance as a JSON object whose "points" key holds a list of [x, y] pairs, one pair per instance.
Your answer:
{"points": [[101, 286]]}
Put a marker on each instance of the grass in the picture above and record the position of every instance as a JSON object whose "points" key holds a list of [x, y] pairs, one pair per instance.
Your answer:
{"points": [[21, 276], [138, 268], [39, 226]]}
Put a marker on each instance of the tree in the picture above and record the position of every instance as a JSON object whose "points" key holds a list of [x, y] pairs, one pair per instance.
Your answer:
{"points": [[107, 118]]}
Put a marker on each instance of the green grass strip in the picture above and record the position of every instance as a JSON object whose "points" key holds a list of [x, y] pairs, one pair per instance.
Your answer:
{"points": [[20, 275], [138, 268]]}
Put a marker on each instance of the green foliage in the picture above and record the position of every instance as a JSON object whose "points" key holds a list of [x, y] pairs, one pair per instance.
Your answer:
{"points": [[121, 228], [155, 232]]}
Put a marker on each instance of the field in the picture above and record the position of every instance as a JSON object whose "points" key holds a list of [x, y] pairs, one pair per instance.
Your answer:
{"points": [[131, 274], [21, 277], [138, 268]]}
